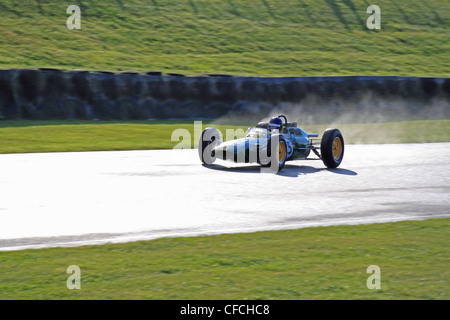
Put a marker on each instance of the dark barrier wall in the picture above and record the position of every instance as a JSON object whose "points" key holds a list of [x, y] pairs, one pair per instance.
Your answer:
{"points": [[55, 94]]}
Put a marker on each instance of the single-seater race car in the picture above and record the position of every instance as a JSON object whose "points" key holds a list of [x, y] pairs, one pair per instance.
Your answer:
{"points": [[271, 144]]}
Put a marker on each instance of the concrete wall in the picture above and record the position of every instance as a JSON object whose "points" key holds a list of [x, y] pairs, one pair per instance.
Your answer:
{"points": [[78, 94]]}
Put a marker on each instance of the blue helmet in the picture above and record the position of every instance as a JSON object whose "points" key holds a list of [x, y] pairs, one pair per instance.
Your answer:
{"points": [[275, 123]]}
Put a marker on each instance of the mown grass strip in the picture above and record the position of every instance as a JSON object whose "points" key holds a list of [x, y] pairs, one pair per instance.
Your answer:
{"points": [[66, 136], [311, 263]]}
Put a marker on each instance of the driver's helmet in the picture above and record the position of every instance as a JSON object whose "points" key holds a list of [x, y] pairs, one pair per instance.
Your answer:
{"points": [[275, 123]]}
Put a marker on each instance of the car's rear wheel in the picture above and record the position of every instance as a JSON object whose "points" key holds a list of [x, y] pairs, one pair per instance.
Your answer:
{"points": [[208, 140], [279, 156], [332, 148]]}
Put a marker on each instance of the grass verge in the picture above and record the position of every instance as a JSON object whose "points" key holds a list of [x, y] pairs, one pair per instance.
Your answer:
{"points": [[65, 136], [259, 37], [310, 263]]}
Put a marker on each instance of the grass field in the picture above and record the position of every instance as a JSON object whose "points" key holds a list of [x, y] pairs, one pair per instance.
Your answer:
{"points": [[257, 37], [311, 263], [52, 136]]}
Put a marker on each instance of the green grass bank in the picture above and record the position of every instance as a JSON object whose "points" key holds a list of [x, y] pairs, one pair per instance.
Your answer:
{"points": [[240, 37]]}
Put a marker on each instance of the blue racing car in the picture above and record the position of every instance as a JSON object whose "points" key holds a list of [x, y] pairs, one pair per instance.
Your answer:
{"points": [[273, 143]]}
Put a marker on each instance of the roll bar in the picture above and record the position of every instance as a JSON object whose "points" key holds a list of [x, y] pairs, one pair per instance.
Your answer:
{"points": [[285, 119]]}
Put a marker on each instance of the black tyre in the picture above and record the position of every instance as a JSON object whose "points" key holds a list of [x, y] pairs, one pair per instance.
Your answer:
{"points": [[278, 157], [207, 141], [332, 148]]}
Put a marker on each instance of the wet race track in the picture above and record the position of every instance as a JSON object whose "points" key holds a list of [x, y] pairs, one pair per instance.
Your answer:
{"points": [[71, 199]]}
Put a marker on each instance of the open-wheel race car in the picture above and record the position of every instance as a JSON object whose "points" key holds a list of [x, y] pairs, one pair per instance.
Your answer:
{"points": [[273, 143]]}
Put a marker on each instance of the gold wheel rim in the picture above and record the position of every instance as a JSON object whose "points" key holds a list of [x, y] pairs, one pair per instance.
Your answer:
{"points": [[337, 148], [281, 151]]}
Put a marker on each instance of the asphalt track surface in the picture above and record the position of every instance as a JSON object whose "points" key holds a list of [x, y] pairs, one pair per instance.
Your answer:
{"points": [[73, 199]]}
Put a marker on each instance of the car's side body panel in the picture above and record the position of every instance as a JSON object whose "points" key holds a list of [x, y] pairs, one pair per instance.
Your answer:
{"points": [[254, 146]]}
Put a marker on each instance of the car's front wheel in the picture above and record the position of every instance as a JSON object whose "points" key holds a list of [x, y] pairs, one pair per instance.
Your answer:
{"points": [[332, 148], [279, 156]]}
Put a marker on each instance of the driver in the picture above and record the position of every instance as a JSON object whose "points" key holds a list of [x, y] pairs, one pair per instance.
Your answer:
{"points": [[275, 123]]}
